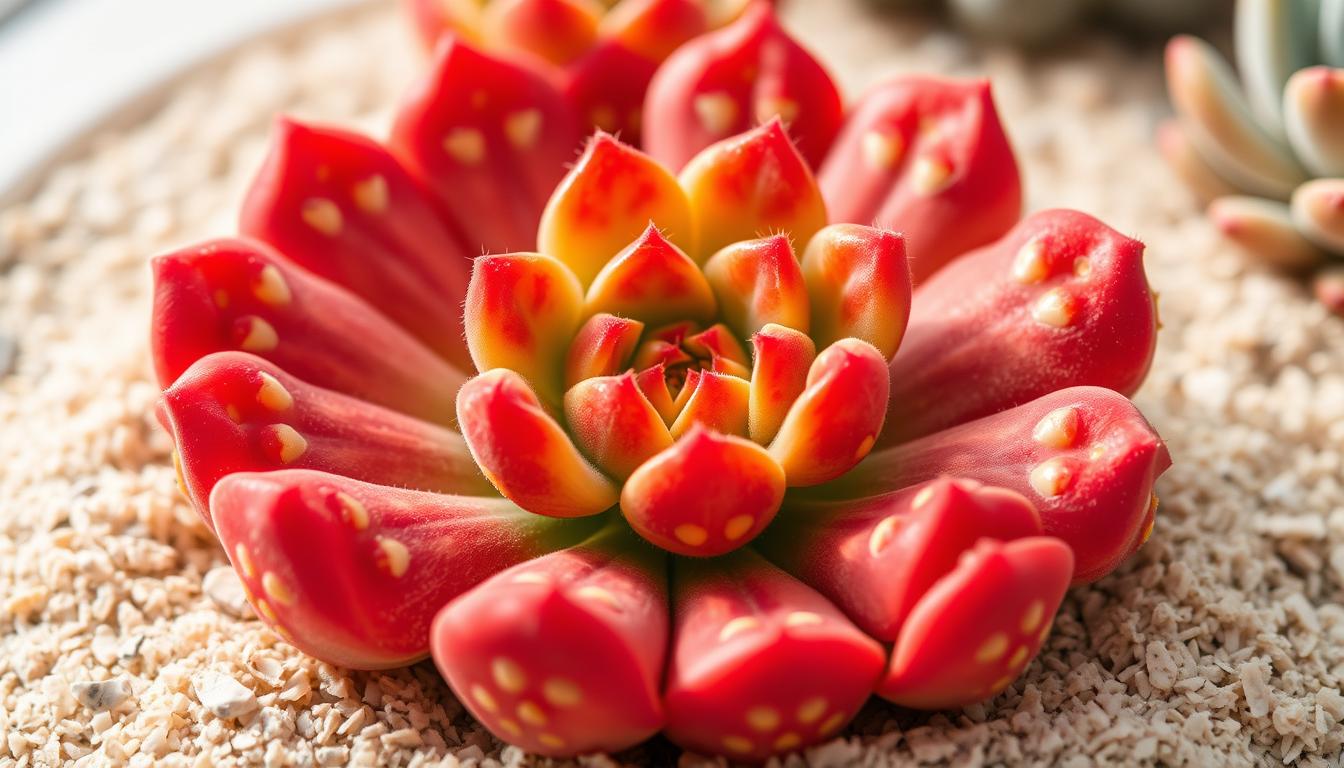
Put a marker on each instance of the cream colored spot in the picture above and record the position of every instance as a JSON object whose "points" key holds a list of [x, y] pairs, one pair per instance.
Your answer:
{"points": [[482, 697], [865, 447], [691, 535], [510, 727], [562, 692], [1148, 531], [393, 556], [233, 413], [763, 719], [811, 710], [508, 675], [883, 150], [273, 395], [998, 685], [922, 498], [929, 175], [221, 298], [523, 127], [371, 194], [531, 577], [802, 619], [292, 444], [992, 649], [1051, 477], [267, 612], [1058, 429], [717, 112], [833, 723], [882, 535], [271, 287], [551, 740], [770, 106], [465, 145], [529, 712], [1018, 657], [599, 595], [737, 626], [788, 740], [737, 744], [260, 337], [738, 526], [1032, 618], [1082, 267], [277, 589], [322, 215], [1055, 308], [1029, 264], [243, 559], [1045, 632], [1097, 452], [352, 511]]}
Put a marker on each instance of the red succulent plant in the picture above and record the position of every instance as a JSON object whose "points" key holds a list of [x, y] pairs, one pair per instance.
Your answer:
{"points": [[703, 462]]}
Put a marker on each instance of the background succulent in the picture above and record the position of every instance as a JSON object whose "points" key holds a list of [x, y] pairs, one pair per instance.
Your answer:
{"points": [[1268, 151], [1034, 22]]}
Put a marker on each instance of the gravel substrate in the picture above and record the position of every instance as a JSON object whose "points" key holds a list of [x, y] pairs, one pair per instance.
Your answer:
{"points": [[1222, 642]]}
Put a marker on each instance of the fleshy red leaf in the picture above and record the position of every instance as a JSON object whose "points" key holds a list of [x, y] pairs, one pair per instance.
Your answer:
{"points": [[925, 157], [761, 664], [876, 557], [353, 573], [728, 81], [236, 294], [564, 654], [1084, 456], [339, 205], [976, 629], [491, 138], [1060, 301], [234, 412]]}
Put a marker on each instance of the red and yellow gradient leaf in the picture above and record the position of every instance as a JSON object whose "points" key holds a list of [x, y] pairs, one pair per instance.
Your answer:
{"points": [[717, 401], [339, 205], [752, 185], [1085, 457], [235, 412], [614, 424], [926, 157], [606, 201], [353, 573], [655, 28], [602, 347], [761, 664], [758, 282], [563, 655], [858, 284], [1060, 301], [556, 31], [783, 358], [976, 629], [705, 495], [524, 452], [652, 281], [835, 421], [240, 295], [876, 557], [490, 138], [717, 343], [726, 82], [522, 311], [652, 381]]}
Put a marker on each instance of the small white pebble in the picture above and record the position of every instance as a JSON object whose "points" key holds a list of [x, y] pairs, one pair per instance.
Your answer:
{"points": [[222, 695], [103, 695]]}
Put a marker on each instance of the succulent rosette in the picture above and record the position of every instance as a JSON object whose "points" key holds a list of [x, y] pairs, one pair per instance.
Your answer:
{"points": [[1267, 152], [666, 442]]}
